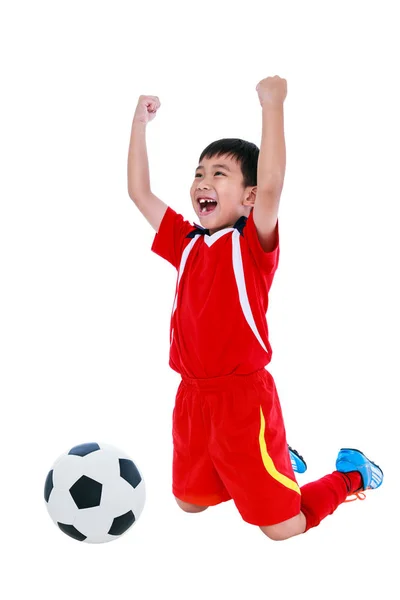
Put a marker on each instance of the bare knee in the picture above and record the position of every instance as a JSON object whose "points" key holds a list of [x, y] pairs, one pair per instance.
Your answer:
{"points": [[190, 508], [274, 532], [286, 529]]}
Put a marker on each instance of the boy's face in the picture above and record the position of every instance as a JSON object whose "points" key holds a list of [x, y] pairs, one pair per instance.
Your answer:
{"points": [[220, 178]]}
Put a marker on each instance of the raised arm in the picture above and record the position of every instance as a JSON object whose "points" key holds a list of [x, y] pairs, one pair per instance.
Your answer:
{"points": [[151, 207], [271, 161]]}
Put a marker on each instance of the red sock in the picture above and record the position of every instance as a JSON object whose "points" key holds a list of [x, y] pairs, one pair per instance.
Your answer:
{"points": [[321, 498]]}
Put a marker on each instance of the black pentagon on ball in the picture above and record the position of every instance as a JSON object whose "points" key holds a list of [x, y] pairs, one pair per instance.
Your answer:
{"points": [[86, 492], [84, 449], [129, 472], [48, 486], [122, 523], [72, 532]]}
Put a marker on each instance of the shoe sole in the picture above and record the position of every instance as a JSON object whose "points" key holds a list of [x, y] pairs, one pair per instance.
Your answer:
{"points": [[304, 465]]}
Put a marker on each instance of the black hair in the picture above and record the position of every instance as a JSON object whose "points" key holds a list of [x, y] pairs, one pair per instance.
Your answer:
{"points": [[245, 153]]}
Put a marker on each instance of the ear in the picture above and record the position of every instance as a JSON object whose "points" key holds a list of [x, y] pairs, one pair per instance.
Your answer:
{"points": [[250, 196]]}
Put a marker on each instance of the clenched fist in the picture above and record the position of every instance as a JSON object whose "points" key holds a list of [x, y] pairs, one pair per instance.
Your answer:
{"points": [[146, 109], [272, 91]]}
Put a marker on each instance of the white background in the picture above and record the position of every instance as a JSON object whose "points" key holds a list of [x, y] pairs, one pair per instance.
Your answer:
{"points": [[85, 304]]}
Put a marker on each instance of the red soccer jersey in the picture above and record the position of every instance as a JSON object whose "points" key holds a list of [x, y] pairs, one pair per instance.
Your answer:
{"points": [[218, 322]]}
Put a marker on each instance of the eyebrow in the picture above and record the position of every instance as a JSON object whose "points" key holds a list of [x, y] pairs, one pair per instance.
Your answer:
{"points": [[214, 166]]}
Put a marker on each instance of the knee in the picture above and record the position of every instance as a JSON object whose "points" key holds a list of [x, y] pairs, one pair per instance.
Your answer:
{"points": [[275, 533], [287, 529], [190, 508]]}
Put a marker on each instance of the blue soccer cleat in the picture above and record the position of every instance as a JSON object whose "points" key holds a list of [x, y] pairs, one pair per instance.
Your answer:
{"points": [[350, 459], [298, 462]]}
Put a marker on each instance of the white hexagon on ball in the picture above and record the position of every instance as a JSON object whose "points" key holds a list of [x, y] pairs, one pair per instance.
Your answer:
{"points": [[94, 493]]}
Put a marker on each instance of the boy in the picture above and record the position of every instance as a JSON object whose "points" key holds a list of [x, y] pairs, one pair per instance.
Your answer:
{"points": [[228, 432]]}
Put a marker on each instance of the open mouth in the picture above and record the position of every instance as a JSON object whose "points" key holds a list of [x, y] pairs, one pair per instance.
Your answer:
{"points": [[207, 206]]}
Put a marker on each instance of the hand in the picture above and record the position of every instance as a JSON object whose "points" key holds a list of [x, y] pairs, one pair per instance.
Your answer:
{"points": [[272, 91], [146, 109]]}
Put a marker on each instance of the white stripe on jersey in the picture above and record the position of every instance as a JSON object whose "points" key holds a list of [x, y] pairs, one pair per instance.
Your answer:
{"points": [[184, 258], [241, 285]]}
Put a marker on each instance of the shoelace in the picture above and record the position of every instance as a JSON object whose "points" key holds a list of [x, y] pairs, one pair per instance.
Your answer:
{"points": [[358, 496]]}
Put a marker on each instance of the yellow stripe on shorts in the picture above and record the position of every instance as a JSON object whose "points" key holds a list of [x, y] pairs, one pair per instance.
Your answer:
{"points": [[269, 463]]}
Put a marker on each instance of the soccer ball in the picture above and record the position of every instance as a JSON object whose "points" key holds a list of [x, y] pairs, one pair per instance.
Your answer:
{"points": [[94, 493]]}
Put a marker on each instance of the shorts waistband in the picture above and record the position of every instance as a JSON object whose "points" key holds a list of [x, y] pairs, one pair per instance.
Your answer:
{"points": [[216, 383]]}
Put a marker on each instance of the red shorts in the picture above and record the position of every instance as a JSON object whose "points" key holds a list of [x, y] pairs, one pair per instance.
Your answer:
{"points": [[230, 443]]}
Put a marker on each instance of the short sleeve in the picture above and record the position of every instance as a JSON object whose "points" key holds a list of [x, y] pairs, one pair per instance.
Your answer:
{"points": [[169, 240], [266, 261]]}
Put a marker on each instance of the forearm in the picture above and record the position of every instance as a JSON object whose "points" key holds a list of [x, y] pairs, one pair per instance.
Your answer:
{"points": [[138, 164], [272, 158]]}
